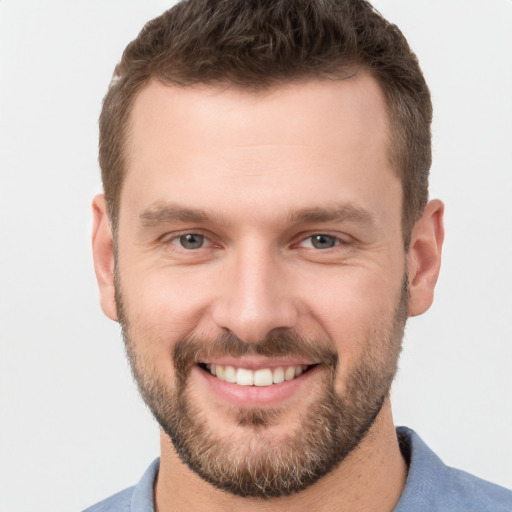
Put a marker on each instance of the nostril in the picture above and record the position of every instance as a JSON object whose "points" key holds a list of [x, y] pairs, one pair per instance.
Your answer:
{"points": [[253, 322]]}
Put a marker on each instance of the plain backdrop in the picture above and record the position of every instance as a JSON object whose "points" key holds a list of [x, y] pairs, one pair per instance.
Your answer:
{"points": [[72, 427]]}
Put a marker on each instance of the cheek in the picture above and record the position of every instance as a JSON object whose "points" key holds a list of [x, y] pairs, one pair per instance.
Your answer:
{"points": [[353, 301], [163, 306], [358, 314]]}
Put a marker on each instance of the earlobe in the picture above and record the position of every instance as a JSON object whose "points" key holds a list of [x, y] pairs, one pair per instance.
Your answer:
{"points": [[424, 257], [103, 254]]}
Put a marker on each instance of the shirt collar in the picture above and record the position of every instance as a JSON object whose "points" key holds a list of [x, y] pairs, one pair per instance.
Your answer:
{"points": [[427, 476], [142, 497]]}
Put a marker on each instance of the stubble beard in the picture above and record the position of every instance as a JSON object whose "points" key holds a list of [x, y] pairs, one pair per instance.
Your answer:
{"points": [[261, 465]]}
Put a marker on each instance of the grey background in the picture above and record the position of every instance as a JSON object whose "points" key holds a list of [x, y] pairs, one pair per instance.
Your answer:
{"points": [[72, 428]]}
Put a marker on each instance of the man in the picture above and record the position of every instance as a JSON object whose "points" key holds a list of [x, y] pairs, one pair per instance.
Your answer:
{"points": [[263, 237]]}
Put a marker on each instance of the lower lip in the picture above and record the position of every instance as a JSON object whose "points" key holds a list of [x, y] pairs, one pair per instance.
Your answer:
{"points": [[254, 396]]}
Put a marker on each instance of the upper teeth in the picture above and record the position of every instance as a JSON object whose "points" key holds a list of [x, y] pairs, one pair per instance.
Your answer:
{"points": [[263, 377]]}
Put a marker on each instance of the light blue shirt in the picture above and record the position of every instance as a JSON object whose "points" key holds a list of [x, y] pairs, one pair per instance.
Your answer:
{"points": [[431, 486]]}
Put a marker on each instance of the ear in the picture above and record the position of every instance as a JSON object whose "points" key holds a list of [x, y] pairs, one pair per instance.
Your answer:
{"points": [[103, 254], [424, 257]]}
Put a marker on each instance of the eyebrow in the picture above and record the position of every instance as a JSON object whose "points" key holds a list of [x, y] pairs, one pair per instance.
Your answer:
{"points": [[170, 212], [166, 213], [346, 212]]}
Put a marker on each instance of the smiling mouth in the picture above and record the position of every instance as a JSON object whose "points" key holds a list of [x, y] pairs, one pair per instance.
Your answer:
{"points": [[261, 377]]}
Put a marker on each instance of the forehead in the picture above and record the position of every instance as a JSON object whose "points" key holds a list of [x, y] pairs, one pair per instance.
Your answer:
{"points": [[221, 115], [306, 138]]}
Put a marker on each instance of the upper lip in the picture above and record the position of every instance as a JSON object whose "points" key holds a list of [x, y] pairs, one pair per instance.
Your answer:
{"points": [[256, 362]]}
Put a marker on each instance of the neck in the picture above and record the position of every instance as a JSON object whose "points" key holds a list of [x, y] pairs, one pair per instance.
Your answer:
{"points": [[372, 477]]}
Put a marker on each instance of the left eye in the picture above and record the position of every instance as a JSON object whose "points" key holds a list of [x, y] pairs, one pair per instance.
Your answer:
{"points": [[321, 241], [191, 241]]}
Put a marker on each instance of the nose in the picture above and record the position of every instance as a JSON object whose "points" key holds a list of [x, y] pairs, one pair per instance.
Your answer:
{"points": [[254, 296]]}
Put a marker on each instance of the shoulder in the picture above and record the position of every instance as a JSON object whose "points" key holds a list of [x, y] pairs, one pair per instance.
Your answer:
{"points": [[119, 502], [433, 486], [474, 493], [138, 498]]}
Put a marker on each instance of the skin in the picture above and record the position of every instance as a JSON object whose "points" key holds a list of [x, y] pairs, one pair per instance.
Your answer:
{"points": [[253, 162]]}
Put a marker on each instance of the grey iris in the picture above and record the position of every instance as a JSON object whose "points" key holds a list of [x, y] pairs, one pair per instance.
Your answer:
{"points": [[192, 241], [323, 241]]}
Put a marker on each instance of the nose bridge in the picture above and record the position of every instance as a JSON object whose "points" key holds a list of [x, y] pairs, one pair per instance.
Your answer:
{"points": [[253, 298]]}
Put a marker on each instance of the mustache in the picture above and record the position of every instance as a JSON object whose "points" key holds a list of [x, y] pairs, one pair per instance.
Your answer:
{"points": [[278, 343]]}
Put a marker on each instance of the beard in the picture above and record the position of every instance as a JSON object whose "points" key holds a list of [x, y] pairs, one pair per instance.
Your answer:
{"points": [[254, 462]]}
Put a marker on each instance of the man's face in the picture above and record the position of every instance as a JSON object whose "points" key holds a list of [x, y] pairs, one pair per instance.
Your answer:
{"points": [[260, 239]]}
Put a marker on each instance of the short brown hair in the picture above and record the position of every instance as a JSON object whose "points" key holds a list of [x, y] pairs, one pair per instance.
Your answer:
{"points": [[255, 44]]}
